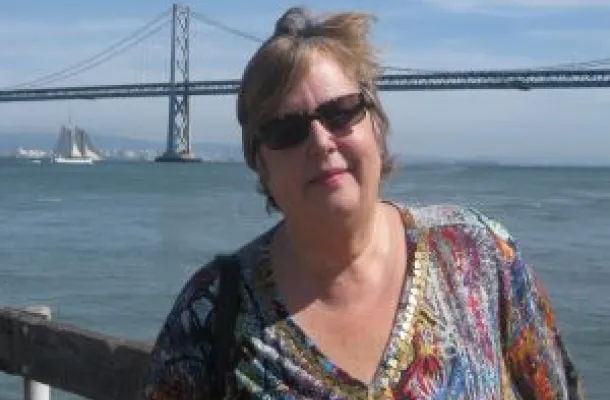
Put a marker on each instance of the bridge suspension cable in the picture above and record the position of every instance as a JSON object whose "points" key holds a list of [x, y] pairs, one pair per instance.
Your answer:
{"points": [[386, 68], [108, 53], [602, 62], [208, 21], [592, 64]]}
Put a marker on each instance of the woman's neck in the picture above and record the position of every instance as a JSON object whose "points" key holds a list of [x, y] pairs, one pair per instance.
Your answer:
{"points": [[333, 257]]}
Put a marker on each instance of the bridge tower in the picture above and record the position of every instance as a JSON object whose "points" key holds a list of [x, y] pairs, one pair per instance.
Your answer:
{"points": [[178, 146]]}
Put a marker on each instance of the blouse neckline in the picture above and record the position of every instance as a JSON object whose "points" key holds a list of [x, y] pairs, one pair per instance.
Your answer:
{"points": [[397, 353]]}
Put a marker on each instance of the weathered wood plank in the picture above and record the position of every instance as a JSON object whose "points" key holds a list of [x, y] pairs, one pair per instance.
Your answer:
{"points": [[84, 362]]}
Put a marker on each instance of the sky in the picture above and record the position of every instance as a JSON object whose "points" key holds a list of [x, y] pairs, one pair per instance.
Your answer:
{"points": [[39, 38]]}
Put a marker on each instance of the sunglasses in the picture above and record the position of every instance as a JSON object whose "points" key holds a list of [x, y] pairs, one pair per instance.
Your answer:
{"points": [[292, 129]]}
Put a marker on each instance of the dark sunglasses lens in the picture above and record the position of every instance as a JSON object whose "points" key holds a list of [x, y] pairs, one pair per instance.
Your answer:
{"points": [[285, 132], [343, 119], [343, 112]]}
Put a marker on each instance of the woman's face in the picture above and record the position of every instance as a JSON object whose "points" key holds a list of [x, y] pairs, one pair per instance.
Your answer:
{"points": [[332, 172]]}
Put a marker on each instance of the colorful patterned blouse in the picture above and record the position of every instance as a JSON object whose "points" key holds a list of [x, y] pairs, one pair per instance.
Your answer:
{"points": [[473, 322]]}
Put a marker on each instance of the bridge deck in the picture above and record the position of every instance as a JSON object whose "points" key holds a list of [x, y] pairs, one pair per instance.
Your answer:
{"points": [[450, 80]]}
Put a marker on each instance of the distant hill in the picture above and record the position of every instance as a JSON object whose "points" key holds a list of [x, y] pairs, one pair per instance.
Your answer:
{"points": [[232, 152], [112, 143], [9, 142], [44, 141]]}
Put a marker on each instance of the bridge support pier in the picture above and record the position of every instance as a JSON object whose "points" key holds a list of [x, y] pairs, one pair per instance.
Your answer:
{"points": [[178, 146]]}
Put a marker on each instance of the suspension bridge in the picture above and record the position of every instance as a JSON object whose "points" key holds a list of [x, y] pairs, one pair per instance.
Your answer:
{"points": [[179, 88]]}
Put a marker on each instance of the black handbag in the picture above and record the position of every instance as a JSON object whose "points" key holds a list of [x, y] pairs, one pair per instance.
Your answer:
{"points": [[226, 307]]}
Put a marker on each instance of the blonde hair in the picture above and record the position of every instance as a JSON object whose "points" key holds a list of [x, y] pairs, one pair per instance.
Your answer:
{"points": [[285, 58]]}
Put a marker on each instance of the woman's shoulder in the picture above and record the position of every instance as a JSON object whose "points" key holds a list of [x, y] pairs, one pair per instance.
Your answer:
{"points": [[460, 235], [439, 216], [201, 289], [452, 221]]}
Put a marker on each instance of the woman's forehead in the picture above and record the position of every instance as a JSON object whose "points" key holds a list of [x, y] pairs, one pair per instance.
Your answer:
{"points": [[325, 80]]}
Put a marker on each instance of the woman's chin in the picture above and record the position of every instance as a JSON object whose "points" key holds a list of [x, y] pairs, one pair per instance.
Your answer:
{"points": [[337, 203]]}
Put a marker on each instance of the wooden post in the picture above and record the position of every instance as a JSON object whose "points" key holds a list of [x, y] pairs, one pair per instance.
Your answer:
{"points": [[33, 390]]}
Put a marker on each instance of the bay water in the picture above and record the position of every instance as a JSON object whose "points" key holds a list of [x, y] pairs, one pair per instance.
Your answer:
{"points": [[108, 246]]}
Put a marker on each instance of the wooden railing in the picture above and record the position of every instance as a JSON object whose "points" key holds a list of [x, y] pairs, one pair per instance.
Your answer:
{"points": [[76, 360]]}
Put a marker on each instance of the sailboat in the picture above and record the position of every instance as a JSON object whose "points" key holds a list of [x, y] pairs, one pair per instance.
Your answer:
{"points": [[74, 147]]}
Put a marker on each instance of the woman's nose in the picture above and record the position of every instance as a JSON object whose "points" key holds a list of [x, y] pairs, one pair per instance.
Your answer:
{"points": [[320, 137]]}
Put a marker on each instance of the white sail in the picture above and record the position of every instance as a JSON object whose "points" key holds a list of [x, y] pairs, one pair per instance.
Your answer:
{"points": [[74, 147], [85, 146], [63, 146]]}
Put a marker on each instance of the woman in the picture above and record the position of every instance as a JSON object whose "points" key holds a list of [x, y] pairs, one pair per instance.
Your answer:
{"points": [[350, 296]]}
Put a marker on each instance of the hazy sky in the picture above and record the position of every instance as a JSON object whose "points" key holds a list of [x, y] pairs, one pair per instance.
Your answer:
{"points": [[39, 38]]}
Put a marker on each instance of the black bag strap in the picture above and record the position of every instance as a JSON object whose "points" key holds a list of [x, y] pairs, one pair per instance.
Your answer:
{"points": [[226, 308]]}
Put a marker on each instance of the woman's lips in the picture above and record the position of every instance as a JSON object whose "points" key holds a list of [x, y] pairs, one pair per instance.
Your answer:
{"points": [[329, 177]]}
